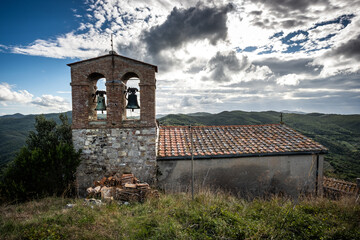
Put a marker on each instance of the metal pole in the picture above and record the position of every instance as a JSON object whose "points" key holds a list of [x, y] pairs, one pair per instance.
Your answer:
{"points": [[317, 175], [192, 164], [358, 189]]}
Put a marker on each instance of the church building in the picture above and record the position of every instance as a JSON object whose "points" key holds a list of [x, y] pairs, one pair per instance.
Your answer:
{"points": [[116, 130]]}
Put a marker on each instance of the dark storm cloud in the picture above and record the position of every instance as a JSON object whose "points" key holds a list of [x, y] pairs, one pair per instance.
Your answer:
{"points": [[272, 24], [343, 82], [256, 85], [351, 49], [340, 81], [288, 67], [195, 69], [284, 6], [333, 93], [263, 23], [291, 23], [346, 100], [256, 13], [132, 50], [230, 61], [184, 25], [221, 64], [188, 101], [290, 10], [266, 23], [185, 102], [195, 66], [318, 94]]}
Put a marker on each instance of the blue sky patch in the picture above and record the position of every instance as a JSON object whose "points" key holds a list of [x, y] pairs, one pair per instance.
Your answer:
{"points": [[247, 49], [344, 20]]}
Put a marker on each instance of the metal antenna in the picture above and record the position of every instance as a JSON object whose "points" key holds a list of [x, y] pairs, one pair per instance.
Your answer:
{"points": [[192, 162], [112, 60], [112, 45]]}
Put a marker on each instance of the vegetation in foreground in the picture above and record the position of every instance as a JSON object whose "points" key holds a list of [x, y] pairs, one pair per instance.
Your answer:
{"points": [[45, 166], [176, 216]]}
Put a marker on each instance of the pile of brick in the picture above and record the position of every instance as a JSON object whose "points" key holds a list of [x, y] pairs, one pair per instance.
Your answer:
{"points": [[340, 186], [335, 188], [125, 187]]}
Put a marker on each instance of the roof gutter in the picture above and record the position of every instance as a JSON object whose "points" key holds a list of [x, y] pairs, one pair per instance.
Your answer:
{"points": [[239, 155]]}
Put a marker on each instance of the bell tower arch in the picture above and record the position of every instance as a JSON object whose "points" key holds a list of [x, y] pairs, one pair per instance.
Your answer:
{"points": [[114, 142], [132, 95]]}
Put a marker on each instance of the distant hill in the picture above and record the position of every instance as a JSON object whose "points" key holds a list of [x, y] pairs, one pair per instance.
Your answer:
{"points": [[339, 133], [14, 130]]}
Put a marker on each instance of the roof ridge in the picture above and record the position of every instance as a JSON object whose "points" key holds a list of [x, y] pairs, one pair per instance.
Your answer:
{"points": [[204, 126], [174, 141], [115, 55]]}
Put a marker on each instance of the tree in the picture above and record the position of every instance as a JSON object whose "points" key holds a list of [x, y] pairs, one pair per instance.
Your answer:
{"points": [[46, 166]]}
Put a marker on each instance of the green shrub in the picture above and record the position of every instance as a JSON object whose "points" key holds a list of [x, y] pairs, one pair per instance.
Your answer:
{"points": [[44, 231], [46, 166]]}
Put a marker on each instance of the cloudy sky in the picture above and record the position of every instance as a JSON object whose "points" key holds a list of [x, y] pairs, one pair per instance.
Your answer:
{"points": [[252, 55]]}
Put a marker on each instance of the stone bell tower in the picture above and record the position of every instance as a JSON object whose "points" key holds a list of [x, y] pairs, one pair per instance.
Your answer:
{"points": [[110, 141]]}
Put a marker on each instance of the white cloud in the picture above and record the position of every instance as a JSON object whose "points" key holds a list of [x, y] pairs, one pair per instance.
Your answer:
{"points": [[289, 79], [3, 47], [298, 37], [343, 56], [8, 95], [186, 73], [52, 103], [324, 31], [124, 19], [64, 92]]}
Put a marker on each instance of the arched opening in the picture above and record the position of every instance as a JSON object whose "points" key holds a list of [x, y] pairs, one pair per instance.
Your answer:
{"points": [[132, 96], [101, 99], [98, 98]]}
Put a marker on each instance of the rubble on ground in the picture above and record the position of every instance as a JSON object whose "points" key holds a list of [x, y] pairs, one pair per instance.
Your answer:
{"points": [[124, 187], [92, 201]]}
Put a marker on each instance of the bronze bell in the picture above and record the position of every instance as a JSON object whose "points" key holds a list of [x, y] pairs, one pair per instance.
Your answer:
{"points": [[132, 99], [100, 105]]}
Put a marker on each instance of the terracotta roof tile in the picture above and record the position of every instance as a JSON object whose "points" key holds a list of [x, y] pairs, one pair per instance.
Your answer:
{"points": [[174, 141]]}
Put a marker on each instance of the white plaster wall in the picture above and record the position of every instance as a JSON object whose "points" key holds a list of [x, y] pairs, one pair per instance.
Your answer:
{"points": [[253, 176]]}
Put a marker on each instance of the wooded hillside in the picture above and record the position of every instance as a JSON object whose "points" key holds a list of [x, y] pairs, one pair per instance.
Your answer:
{"points": [[339, 133]]}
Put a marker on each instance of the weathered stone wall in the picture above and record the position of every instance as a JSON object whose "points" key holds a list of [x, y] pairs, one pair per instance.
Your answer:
{"points": [[105, 151], [247, 176]]}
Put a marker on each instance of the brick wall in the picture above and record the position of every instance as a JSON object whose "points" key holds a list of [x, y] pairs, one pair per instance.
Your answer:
{"points": [[116, 144], [117, 70]]}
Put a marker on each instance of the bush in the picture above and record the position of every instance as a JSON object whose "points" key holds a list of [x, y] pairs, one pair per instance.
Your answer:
{"points": [[46, 166]]}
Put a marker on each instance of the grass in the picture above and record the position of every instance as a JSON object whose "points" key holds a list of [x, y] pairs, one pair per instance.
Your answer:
{"points": [[176, 216]]}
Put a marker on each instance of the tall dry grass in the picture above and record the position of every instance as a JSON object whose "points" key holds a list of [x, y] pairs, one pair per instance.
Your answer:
{"points": [[211, 215]]}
